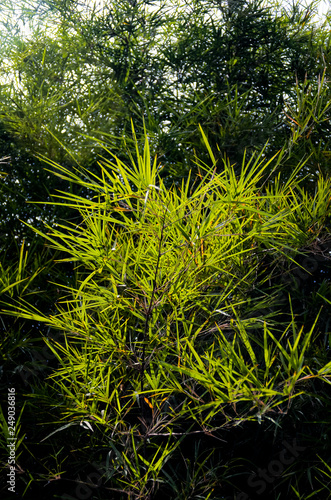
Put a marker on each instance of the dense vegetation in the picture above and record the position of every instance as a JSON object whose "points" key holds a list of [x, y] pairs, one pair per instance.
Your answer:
{"points": [[166, 298]]}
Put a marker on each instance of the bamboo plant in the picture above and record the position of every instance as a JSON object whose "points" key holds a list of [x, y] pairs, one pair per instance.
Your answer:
{"points": [[161, 340]]}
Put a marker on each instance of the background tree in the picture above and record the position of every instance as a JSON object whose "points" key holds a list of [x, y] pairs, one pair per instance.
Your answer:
{"points": [[91, 69]]}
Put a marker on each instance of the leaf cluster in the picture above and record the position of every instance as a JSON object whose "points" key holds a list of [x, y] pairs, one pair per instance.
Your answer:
{"points": [[159, 343]]}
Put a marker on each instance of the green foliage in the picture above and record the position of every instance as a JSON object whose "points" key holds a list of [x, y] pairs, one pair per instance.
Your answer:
{"points": [[175, 334], [159, 341], [88, 69]]}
